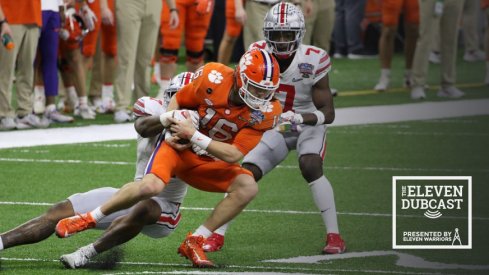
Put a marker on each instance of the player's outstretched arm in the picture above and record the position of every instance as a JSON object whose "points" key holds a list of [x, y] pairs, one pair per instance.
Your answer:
{"points": [[148, 126]]}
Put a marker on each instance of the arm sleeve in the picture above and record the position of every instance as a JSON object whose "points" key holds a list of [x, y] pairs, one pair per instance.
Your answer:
{"points": [[247, 139], [323, 67]]}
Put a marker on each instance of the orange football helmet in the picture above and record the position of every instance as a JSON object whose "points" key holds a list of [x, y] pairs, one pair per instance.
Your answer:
{"points": [[257, 76]]}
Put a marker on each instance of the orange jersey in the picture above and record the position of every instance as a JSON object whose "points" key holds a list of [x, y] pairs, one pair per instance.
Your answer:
{"points": [[238, 125], [90, 40], [22, 11], [391, 10]]}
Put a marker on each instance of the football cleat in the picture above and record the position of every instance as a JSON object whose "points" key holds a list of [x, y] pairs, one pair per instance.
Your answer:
{"points": [[72, 225], [74, 260], [191, 248], [334, 244], [213, 243]]}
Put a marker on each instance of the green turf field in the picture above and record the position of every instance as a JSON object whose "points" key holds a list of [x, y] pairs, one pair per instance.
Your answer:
{"points": [[282, 222]]}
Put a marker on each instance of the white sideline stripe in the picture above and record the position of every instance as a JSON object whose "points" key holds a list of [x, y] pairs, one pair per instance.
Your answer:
{"points": [[76, 161], [230, 266], [344, 116], [403, 260], [290, 212]]}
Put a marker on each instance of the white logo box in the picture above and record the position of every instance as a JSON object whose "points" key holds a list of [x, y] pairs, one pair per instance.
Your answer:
{"points": [[395, 179]]}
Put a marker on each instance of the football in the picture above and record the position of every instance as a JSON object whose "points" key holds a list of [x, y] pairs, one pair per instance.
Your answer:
{"points": [[181, 115]]}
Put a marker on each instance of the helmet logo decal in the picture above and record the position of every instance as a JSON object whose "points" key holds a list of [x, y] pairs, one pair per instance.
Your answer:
{"points": [[245, 61]]}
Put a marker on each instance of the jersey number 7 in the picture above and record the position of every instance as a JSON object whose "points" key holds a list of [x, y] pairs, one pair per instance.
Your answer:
{"points": [[289, 91]]}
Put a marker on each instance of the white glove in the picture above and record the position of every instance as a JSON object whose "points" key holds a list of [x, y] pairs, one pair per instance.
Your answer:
{"points": [[164, 118], [88, 17], [291, 117], [69, 14]]}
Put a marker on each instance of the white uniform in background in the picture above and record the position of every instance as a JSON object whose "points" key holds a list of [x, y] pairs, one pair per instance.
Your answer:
{"points": [[309, 65]]}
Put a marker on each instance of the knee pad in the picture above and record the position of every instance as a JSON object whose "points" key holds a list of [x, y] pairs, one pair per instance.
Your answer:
{"points": [[168, 56], [195, 57]]}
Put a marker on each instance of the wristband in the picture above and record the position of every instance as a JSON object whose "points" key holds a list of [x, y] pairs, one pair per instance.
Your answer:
{"points": [[174, 9], [200, 140], [320, 117], [298, 119]]}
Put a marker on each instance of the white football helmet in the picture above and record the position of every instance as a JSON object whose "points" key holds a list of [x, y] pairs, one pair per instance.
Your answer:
{"points": [[176, 83], [284, 29]]}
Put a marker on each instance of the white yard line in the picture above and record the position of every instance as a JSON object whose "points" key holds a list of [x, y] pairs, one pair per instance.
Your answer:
{"points": [[322, 271], [344, 116], [270, 211], [368, 168]]}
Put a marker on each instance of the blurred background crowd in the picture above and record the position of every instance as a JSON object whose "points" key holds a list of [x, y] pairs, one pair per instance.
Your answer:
{"points": [[67, 59]]}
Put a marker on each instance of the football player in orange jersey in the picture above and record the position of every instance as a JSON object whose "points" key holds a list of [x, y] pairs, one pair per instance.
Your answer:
{"points": [[308, 106], [235, 108]]}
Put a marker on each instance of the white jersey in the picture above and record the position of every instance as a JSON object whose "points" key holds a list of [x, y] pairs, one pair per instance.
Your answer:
{"points": [[309, 65], [176, 189]]}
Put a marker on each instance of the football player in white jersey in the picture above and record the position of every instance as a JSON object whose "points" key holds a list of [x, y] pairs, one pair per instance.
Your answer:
{"points": [[308, 106], [156, 217]]}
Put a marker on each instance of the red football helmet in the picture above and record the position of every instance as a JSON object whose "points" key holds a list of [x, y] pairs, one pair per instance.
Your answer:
{"points": [[258, 76], [75, 29]]}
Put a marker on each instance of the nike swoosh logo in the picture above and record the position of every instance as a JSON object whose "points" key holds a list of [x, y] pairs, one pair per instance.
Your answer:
{"points": [[296, 79]]}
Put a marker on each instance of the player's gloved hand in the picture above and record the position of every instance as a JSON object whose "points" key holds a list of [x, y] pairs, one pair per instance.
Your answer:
{"points": [[204, 6], [88, 17], [291, 117], [285, 127], [164, 118]]}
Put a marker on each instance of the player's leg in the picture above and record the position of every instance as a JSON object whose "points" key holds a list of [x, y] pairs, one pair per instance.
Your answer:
{"points": [[75, 60], [160, 167], [195, 32], [311, 148], [37, 229], [273, 146], [109, 49], [241, 191], [390, 16], [171, 40], [411, 29], [121, 230], [231, 34]]}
